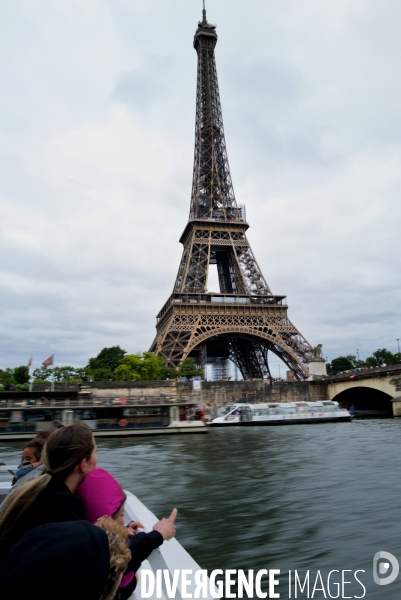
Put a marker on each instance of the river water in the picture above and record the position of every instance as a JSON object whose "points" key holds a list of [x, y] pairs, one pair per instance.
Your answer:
{"points": [[301, 497]]}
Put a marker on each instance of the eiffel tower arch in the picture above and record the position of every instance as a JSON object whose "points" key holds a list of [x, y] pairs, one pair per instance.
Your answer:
{"points": [[245, 319]]}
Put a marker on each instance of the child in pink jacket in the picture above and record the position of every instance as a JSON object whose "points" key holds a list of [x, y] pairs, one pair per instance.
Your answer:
{"points": [[103, 496]]}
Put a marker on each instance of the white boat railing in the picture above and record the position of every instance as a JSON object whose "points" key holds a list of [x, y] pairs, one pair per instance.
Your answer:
{"points": [[171, 556]]}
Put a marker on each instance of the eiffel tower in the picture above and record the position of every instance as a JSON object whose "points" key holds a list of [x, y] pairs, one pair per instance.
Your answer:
{"points": [[245, 320]]}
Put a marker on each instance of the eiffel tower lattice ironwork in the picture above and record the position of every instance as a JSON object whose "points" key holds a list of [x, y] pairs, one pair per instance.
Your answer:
{"points": [[245, 320]]}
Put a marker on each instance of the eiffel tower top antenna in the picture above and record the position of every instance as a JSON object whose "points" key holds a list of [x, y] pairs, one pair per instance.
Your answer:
{"points": [[204, 12]]}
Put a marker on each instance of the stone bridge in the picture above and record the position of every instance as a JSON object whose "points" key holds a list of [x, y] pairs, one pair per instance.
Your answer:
{"points": [[378, 388]]}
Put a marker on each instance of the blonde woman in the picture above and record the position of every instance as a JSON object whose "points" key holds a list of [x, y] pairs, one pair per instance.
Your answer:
{"points": [[69, 455]]}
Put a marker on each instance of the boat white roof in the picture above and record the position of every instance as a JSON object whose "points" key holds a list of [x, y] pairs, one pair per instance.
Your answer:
{"points": [[285, 404]]}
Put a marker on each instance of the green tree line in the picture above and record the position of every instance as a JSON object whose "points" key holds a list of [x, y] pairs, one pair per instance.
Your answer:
{"points": [[115, 364], [111, 364], [17, 377], [382, 356]]}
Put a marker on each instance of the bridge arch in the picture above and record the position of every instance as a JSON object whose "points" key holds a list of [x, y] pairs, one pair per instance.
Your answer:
{"points": [[382, 383], [370, 398]]}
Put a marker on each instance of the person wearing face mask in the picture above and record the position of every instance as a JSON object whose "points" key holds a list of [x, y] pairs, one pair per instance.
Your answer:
{"points": [[31, 465]]}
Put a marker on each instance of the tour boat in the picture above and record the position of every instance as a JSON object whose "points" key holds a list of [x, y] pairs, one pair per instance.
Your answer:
{"points": [[285, 413], [24, 414]]}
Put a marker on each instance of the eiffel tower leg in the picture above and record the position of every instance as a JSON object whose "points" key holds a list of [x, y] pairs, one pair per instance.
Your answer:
{"points": [[261, 352], [250, 357], [240, 357], [171, 345]]}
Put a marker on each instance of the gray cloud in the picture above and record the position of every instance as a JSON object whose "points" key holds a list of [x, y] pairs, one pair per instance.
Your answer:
{"points": [[139, 88]]}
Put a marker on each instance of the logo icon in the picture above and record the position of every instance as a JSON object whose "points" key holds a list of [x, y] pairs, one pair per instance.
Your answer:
{"points": [[381, 568]]}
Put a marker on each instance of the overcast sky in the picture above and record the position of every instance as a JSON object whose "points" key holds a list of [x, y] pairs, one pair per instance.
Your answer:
{"points": [[97, 131]]}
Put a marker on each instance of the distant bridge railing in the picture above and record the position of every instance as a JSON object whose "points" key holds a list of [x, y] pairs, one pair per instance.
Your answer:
{"points": [[365, 372]]}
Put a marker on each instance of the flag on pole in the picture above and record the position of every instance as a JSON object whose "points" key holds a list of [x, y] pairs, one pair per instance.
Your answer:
{"points": [[49, 361], [29, 365]]}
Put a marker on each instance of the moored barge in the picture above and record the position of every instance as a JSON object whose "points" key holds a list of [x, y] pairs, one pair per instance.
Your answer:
{"points": [[23, 414]]}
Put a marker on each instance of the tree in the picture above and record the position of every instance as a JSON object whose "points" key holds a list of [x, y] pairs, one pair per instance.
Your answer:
{"points": [[360, 363], [101, 374], [6, 376], [21, 375], [151, 366], [22, 387], [81, 374], [102, 366], [168, 373], [144, 366], [343, 363], [68, 374], [381, 357], [188, 368], [42, 375]]}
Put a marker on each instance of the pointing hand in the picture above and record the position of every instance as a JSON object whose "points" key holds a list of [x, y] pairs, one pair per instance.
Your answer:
{"points": [[166, 526]]}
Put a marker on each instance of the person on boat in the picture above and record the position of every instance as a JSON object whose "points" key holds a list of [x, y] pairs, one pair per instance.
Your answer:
{"points": [[68, 455], [102, 495], [31, 465], [77, 560]]}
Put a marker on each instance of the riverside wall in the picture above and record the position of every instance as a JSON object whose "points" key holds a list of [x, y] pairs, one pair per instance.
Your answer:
{"points": [[214, 393]]}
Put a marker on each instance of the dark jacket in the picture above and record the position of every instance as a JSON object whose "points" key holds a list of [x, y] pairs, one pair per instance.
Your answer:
{"points": [[63, 561], [141, 545], [55, 504]]}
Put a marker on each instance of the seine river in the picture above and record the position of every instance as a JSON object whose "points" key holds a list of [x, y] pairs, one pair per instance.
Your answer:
{"points": [[302, 497]]}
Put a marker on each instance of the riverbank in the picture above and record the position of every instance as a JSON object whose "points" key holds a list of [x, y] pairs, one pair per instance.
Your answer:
{"points": [[213, 392]]}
